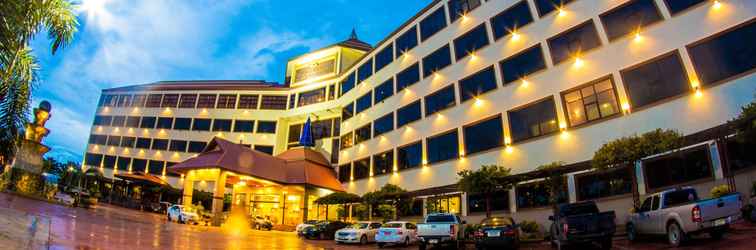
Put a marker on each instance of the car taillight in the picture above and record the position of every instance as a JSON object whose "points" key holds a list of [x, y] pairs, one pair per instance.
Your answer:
{"points": [[399, 232], [451, 229], [509, 232], [565, 228], [478, 233], [696, 214]]}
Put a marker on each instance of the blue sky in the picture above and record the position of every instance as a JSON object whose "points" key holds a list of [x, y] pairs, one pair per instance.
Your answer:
{"points": [[141, 41]]}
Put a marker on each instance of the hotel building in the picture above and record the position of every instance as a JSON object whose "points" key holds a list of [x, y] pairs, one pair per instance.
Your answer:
{"points": [[466, 83]]}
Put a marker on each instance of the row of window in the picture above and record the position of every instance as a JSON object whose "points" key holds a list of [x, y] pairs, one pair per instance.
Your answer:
{"points": [[191, 101], [120, 163], [319, 129], [173, 145], [182, 123]]}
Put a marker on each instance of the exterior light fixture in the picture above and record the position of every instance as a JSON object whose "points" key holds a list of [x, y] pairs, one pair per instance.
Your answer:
{"points": [[515, 35], [561, 12], [106, 109], [579, 62], [626, 107], [698, 92], [717, 5], [637, 38], [508, 149], [525, 83], [478, 102]]}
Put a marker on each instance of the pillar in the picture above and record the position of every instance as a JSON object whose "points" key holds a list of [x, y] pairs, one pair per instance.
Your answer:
{"points": [[641, 183], [716, 162], [512, 201], [463, 204], [188, 190], [571, 188], [218, 193], [350, 212]]}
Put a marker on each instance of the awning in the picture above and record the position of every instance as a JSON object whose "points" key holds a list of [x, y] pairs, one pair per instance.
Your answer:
{"points": [[142, 178]]}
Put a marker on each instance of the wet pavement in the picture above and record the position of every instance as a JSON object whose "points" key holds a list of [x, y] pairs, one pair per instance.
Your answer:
{"points": [[33, 224]]}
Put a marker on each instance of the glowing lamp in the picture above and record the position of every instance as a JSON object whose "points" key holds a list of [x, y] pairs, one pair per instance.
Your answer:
{"points": [[578, 62], [515, 36], [561, 12], [717, 5]]}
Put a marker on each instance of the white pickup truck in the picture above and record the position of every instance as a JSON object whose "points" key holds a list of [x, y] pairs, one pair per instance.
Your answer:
{"points": [[678, 213], [440, 228]]}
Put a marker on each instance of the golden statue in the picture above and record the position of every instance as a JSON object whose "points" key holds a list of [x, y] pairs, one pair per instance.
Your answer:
{"points": [[36, 131]]}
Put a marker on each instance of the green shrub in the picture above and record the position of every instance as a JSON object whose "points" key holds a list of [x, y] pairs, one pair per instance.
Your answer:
{"points": [[719, 191], [470, 230], [530, 227]]}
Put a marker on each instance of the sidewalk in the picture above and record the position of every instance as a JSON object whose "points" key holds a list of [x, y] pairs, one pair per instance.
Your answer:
{"points": [[19, 230]]}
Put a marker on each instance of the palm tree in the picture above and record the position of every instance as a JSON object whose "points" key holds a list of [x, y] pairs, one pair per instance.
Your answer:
{"points": [[20, 21], [486, 181]]}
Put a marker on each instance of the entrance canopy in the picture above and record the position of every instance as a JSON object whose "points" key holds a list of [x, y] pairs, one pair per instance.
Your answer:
{"points": [[142, 178]]}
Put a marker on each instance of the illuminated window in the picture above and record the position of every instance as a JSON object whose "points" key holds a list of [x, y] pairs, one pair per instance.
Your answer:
{"points": [[196, 146], [440, 100], [442, 147], [471, 41], [153, 100], [178, 146], [226, 102], [383, 163], [165, 122], [206, 101], [522, 64], [432, 24], [459, 8], [363, 103], [384, 57], [348, 111], [182, 124], [312, 97], [361, 169], [160, 144], [148, 122], [347, 141], [629, 18], [383, 125], [364, 71], [201, 124], [273, 102], [437, 60], [248, 102], [545, 7], [406, 41], [483, 135], [655, 80], [511, 19], [407, 77], [409, 113], [677, 6], [244, 126], [444, 204], [409, 156], [266, 127], [385, 90], [170, 101], [575, 41], [477, 84], [534, 120], [725, 55], [591, 102], [347, 84]]}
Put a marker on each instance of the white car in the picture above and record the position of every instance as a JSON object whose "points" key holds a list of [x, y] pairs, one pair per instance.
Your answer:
{"points": [[361, 232], [182, 214], [396, 232], [302, 226]]}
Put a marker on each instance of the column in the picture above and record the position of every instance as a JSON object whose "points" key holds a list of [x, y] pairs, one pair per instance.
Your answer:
{"points": [[425, 205], [641, 185], [572, 188], [716, 161], [220, 190], [463, 204], [512, 201], [188, 189]]}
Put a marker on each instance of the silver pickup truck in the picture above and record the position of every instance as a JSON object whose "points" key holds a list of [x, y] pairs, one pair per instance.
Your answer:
{"points": [[678, 213], [440, 228]]}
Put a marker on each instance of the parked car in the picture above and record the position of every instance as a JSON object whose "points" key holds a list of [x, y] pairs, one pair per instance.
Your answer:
{"points": [[261, 223], [440, 229], [324, 230], [361, 232], [301, 227], [497, 233], [396, 232], [678, 213], [182, 214], [581, 223], [65, 198]]}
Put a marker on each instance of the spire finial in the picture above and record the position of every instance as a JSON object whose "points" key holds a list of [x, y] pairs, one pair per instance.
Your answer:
{"points": [[353, 36]]}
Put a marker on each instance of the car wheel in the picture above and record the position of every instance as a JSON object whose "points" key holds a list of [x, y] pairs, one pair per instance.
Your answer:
{"points": [[363, 240], [321, 236], [421, 246], [480, 247], [181, 220], [380, 245], [169, 218], [717, 234], [632, 235], [406, 241], [675, 235], [606, 243]]}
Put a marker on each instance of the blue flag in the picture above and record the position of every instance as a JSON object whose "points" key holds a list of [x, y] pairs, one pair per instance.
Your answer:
{"points": [[306, 138]]}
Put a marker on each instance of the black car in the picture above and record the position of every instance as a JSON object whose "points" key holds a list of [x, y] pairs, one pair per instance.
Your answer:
{"points": [[581, 223], [324, 230], [497, 233]]}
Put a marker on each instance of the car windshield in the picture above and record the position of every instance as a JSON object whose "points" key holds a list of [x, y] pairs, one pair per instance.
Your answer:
{"points": [[359, 226], [497, 221], [440, 218], [679, 197], [392, 225], [578, 209]]}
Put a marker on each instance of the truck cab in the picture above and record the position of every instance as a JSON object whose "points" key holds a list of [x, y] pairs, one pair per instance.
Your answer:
{"points": [[440, 229]]}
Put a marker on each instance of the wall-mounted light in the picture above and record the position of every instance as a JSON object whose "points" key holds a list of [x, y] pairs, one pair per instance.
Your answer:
{"points": [[578, 62], [524, 83], [515, 35], [637, 38], [478, 102], [561, 12], [717, 5], [698, 92]]}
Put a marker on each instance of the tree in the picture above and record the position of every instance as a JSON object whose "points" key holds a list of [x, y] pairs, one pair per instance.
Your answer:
{"points": [[745, 123], [21, 21], [554, 180], [391, 195], [486, 181], [338, 198]]}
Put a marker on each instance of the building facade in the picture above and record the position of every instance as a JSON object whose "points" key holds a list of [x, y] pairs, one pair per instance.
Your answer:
{"points": [[466, 83]]}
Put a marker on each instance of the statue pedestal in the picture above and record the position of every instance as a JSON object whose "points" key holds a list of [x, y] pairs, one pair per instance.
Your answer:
{"points": [[29, 156]]}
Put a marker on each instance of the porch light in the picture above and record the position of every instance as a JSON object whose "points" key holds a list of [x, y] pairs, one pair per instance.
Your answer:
{"points": [[717, 5], [135, 110], [698, 93], [525, 83], [515, 35], [461, 153], [130, 131], [637, 38], [561, 12], [99, 128], [167, 111], [578, 62], [242, 183], [478, 102]]}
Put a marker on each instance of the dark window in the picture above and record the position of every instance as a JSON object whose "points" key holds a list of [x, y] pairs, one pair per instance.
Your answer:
{"points": [[385, 90], [432, 24], [128, 142], [93, 159], [383, 125], [248, 102], [99, 139], [677, 168], [471, 41], [160, 144], [124, 101], [347, 84], [108, 100], [725, 55], [168, 165], [182, 123], [740, 154], [206, 101], [345, 172], [244, 126], [384, 57], [436, 61], [477, 202], [143, 143], [118, 121], [196, 146], [347, 141], [312, 97], [156, 167], [321, 129], [440, 100], [604, 184], [165, 122], [629, 18], [484, 135], [133, 121], [409, 113], [201, 124], [295, 132], [178, 146], [443, 147], [292, 100], [406, 41], [335, 150], [138, 100], [123, 163], [363, 103], [265, 149], [676, 6], [591, 102], [574, 42], [170, 101], [273, 102], [114, 141], [222, 125], [655, 80], [383, 163], [365, 70], [538, 194], [103, 120], [534, 120], [226, 102], [348, 111], [409, 156], [477, 84], [148, 122], [361, 169], [362, 134], [188, 101], [458, 8], [266, 127], [511, 19], [153, 100], [407, 77], [547, 6], [138, 165], [522, 64]]}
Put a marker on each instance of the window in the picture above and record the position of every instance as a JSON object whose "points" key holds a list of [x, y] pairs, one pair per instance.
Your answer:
{"points": [[655, 80], [538, 194], [348, 111], [458, 8], [124, 101], [574, 42], [522, 64], [201, 124], [188, 101], [409, 156], [153, 100], [226, 102], [545, 7], [114, 141], [109, 162], [321, 129], [384, 90], [477, 84], [383, 163], [221, 125], [248, 102], [406, 41], [436, 61], [484, 135], [384, 57], [677, 6], [292, 99], [725, 55], [629, 18], [443, 204], [347, 141], [312, 97], [128, 142], [182, 124], [591, 102], [103, 120], [335, 150], [471, 41], [604, 184], [363, 103], [160, 144], [138, 100], [93, 159], [168, 165], [361, 169], [409, 113], [345, 172], [295, 132], [170, 101], [407, 77], [123, 163], [365, 70], [383, 125], [133, 121], [99, 139], [138, 165], [442, 147], [143, 143], [499, 202], [266, 127], [678, 168], [178, 146], [108, 100], [165, 122], [244, 126], [118, 121], [148, 122], [196, 146], [740, 155], [273, 102], [432, 24], [265, 149], [347, 84], [362, 134], [440, 100], [534, 120], [206, 101], [155, 167], [511, 19]]}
